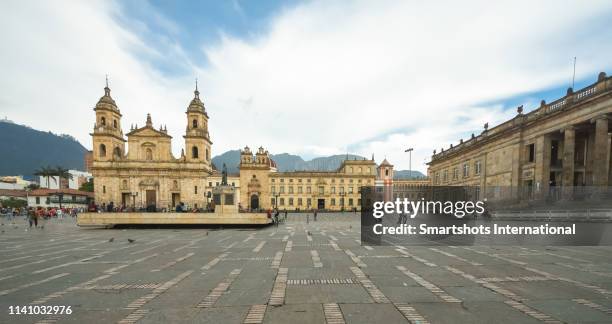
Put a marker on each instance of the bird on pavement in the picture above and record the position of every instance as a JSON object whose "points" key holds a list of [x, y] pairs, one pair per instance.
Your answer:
{"points": [[131, 241], [111, 239]]}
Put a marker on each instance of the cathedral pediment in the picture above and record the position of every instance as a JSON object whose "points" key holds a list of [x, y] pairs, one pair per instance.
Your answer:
{"points": [[147, 132]]}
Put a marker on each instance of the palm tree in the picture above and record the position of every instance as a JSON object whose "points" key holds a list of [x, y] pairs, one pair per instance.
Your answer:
{"points": [[62, 174], [45, 172]]}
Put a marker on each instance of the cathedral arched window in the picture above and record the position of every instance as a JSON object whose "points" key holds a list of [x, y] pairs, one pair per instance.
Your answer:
{"points": [[149, 154], [194, 152], [195, 123], [207, 155], [102, 150], [114, 123], [103, 121], [117, 153]]}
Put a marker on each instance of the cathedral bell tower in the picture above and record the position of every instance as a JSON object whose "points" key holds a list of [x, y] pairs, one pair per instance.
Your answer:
{"points": [[197, 139], [108, 141]]}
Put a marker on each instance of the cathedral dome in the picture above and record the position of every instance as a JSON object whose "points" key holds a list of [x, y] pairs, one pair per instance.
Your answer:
{"points": [[196, 104], [106, 101]]}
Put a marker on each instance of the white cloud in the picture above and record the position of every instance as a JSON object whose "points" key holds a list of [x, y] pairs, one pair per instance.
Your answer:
{"points": [[324, 76]]}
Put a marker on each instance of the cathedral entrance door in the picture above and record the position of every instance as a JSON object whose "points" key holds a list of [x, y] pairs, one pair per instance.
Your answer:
{"points": [[176, 198], [151, 198], [254, 202]]}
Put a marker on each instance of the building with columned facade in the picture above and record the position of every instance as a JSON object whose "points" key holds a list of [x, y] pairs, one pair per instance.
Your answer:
{"points": [[559, 150]]}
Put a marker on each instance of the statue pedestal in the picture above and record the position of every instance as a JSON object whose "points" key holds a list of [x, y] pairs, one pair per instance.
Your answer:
{"points": [[224, 197]]}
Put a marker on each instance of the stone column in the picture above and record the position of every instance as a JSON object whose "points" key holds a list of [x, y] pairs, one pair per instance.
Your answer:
{"points": [[601, 149], [542, 166], [569, 144]]}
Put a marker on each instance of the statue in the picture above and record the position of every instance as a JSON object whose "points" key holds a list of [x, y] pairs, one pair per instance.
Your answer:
{"points": [[224, 175]]}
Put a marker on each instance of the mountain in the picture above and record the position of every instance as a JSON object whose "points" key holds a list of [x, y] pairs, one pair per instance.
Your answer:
{"points": [[25, 150], [285, 162], [406, 174]]}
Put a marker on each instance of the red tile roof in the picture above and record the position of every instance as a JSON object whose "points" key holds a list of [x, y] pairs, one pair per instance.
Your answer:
{"points": [[12, 193], [48, 192]]}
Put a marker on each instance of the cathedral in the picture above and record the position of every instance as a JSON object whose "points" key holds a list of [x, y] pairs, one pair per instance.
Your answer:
{"points": [[148, 175]]}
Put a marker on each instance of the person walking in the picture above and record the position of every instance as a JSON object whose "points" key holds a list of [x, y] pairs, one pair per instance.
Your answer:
{"points": [[33, 217], [276, 213], [315, 215]]}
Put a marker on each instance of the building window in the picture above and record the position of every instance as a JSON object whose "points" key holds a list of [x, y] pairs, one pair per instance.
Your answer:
{"points": [[299, 201], [282, 201], [103, 189], [321, 190], [282, 189], [217, 184], [333, 202], [290, 201], [477, 167], [387, 172], [333, 190], [210, 183], [308, 189], [437, 178], [195, 190], [207, 155], [455, 173], [273, 180], [272, 189], [299, 190], [272, 202], [350, 201], [48, 201], [195, 123], [530, 152], [341, 189], [282, 180], [37, 200], [445, 176], [114, 123], [102, 150], [149, 154], [290, 189], [466, 170], [103, 121], [233, 184], [359, 201], [117, 153], [308, 202], [350, 190], [194, 152]]}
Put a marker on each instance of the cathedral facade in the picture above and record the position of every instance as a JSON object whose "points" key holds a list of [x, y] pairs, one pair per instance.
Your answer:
{"points": [[146, 174]]}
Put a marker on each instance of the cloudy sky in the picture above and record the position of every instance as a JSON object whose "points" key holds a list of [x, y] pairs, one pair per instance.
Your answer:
{"points": [[304, 77]]}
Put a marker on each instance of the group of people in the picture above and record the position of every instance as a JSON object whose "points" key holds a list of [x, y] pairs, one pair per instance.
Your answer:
{"points": [[34, 215], [274, 214]]}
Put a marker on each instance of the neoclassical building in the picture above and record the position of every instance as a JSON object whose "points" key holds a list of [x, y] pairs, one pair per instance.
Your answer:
{"points": [[145, 173], [263, 186], [560, 148]]}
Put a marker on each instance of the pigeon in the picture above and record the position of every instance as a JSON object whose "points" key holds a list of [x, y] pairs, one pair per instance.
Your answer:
{"points": [[131, 241], [111, 239], [309, 233]]}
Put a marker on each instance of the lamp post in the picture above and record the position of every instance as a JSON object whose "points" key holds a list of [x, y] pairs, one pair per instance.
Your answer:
{"points": [[276, 200], [409, 150]]}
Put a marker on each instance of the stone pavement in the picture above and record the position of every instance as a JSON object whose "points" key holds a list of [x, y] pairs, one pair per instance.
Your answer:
{"points": [[298, 273]]}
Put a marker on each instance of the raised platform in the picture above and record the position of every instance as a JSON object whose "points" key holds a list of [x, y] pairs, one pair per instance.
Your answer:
{"points": [[109, 219]]}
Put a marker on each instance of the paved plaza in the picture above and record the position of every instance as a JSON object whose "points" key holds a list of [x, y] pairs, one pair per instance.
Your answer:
{"points": [[316, 272]]}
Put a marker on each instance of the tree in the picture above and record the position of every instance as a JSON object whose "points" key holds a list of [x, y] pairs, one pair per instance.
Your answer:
{"points": [[62, 174], [46, 172], [88, 186]]}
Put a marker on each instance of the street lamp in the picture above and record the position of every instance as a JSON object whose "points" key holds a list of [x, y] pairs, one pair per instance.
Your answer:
{"points": [[409, 151], [342, 195], [276, 200]]}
